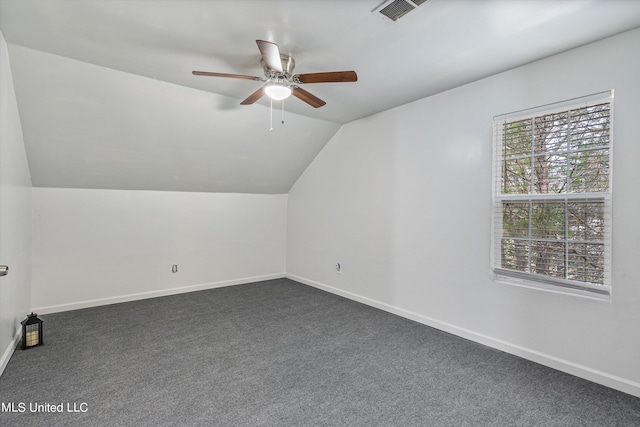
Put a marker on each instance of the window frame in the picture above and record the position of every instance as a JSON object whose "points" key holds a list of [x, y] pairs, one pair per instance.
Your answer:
{"points": [[534, 280]]}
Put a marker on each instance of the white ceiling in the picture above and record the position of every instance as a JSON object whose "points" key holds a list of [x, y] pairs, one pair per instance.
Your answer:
{"points": [[107, 98]]}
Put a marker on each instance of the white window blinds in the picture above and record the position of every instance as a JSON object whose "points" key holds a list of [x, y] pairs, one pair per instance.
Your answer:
{"points": [[552, 195]]}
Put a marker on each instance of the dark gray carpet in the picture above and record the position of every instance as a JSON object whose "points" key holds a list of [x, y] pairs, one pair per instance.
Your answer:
{"points": [[279, 353]]}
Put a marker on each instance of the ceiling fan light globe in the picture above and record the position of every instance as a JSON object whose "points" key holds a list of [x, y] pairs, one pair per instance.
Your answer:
{"points": [[277, 92]]}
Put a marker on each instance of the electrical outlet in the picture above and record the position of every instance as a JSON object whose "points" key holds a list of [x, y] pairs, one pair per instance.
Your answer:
{"points": [[338, 268], [174, 268]]}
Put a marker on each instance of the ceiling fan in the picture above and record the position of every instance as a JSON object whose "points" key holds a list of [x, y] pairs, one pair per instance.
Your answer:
{"points": [[280, 80]]}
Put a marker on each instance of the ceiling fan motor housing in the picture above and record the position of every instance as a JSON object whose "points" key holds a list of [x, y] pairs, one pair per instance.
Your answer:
{"points": [[288, 64]]}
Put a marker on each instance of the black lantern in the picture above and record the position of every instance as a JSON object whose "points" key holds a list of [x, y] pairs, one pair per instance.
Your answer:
{"points": [[31, 331]]}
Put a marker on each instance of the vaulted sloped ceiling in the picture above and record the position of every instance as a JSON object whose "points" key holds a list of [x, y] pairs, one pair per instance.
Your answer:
{"points": [[107, 98], [86, 126]]}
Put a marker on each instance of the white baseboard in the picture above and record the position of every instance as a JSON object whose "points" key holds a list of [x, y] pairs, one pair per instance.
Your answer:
{"points": [[8, 352], [599, 377], [152, 294]]}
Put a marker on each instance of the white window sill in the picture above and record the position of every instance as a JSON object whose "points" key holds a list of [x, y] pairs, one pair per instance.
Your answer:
{"points": [[530, 284]]}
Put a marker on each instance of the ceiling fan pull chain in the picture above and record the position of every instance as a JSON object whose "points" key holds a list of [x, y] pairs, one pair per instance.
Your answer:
{"points": [[283, 111], [271, 115]]}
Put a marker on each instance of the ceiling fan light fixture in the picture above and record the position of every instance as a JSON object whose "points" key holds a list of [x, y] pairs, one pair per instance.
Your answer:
{"points": [[277, 92]]}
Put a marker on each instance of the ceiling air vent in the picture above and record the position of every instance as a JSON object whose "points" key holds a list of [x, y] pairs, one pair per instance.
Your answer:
{"points": [[396, 9]]}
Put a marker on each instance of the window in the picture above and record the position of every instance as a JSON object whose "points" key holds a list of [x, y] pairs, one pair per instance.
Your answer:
{"points": [[552, 196]]}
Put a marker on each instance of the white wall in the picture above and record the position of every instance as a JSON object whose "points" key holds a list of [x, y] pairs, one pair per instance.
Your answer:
{"points": [[93, 247], [403, 200], [15, 215]]}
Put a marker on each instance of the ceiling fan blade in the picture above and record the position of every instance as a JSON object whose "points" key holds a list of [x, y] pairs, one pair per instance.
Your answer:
{"points": [[329, 77], [305, 96], [232, 76], [253, 97], [270, 55]]}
